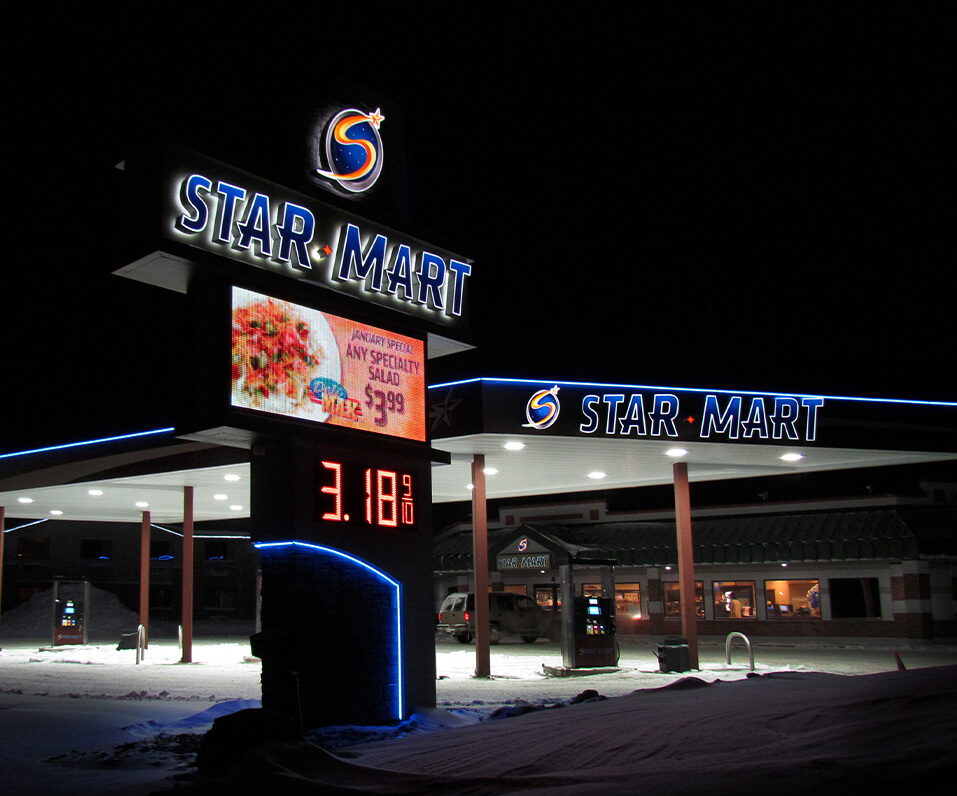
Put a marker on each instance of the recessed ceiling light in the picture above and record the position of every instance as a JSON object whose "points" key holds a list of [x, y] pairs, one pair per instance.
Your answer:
{"points": [[470, 486], [230, 477], [94, 492], [676, 452], [490, 470], [220, 497], [56, 512], [597, 475], [514, 446], [792, 457], [142, 504], [24, 500], [235, 508]]}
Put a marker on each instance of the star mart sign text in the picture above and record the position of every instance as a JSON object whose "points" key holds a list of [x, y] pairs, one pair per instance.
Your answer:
{"points": [[325, 245], [764, 418]]}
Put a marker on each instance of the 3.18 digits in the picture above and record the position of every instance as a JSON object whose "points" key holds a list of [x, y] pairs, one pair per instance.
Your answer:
{"points": [[388, 500]]}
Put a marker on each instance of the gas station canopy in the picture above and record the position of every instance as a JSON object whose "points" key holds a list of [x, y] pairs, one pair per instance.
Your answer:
{"points": [[116, 480], [111, 480], [552, 437], [552, 465]]}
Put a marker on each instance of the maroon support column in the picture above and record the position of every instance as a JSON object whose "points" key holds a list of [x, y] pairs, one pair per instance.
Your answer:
{"points": [[483, 666], [145, 575], [2, 516], [187, 619], [689, 618]]}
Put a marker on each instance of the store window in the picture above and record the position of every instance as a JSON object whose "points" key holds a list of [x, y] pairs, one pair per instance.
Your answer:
{"points": [[161, 550], [855, 598], [734, 599], [627, 602], [217, 551], [547, 597], [673, 599], [96, 549], [222, 600], [33, 548], [793, 599], [163, 597]]}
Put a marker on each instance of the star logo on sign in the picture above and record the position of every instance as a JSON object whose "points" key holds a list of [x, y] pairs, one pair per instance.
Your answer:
{"points": [[441, 413]]}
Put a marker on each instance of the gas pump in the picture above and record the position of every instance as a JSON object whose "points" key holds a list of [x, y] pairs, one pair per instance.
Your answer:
{"points": [[71, 601], [588, 622]]}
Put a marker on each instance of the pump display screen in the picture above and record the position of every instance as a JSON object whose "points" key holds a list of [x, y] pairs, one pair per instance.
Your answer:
{"points": [[298, 362]]}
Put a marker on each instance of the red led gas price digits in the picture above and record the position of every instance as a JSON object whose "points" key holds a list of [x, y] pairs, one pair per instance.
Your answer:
{"points": [[388, 500], [336, 491]]}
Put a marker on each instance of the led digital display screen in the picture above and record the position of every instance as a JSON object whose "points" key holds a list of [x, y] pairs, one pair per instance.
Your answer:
{"points": [[298, 362], [359, 494]]}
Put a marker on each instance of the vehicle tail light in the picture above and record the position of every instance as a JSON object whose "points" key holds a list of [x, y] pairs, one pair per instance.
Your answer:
{"points": [[466, 616]]}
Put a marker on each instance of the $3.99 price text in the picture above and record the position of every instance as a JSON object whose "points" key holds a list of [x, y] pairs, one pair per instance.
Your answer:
{"points": [[384, 402]]}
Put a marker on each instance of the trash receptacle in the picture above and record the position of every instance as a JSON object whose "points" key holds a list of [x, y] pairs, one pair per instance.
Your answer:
{"points": [[673, 655]]}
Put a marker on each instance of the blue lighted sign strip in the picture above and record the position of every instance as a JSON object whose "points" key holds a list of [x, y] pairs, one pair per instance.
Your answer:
{"points": [[613, 386], [87, 442], [25, 525]]}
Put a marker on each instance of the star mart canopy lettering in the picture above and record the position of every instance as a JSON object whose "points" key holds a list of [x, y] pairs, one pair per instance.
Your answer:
{"points": [[729, 417]]}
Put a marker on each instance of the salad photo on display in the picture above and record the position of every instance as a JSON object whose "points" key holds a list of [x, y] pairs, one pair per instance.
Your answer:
{"points": [[278, 348]]}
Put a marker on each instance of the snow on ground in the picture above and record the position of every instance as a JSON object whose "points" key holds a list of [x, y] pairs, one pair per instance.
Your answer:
{"points": [[89, 719], [793, 732], [221, 671]]}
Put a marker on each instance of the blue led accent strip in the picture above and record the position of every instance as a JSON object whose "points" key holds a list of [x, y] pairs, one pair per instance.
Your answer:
{"points": [[378, 573], [538, 382], [25, 525], [198, 536], [87, 442]]}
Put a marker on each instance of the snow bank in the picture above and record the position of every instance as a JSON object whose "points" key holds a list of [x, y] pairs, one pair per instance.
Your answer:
{"points": [[790, 733]]}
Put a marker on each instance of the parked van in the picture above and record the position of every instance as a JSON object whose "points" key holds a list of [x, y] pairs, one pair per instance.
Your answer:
{"points": [[509, 615]]}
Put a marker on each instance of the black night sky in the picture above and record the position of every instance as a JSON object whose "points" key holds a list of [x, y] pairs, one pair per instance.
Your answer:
{"points": [[759, 204]]}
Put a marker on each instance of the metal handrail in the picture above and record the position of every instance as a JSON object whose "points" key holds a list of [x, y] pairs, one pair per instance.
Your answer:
{"points": [[727, 647], [140, 643]]}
